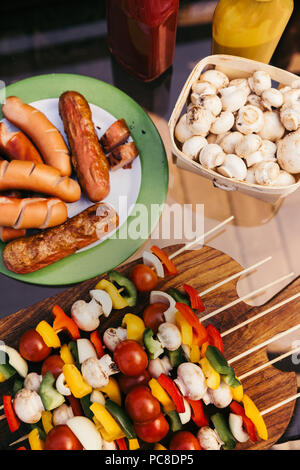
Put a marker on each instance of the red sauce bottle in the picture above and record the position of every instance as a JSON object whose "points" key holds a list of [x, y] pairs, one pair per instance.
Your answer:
{"points": [[142, 34]]}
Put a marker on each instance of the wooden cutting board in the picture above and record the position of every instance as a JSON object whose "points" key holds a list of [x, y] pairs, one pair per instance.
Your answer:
{"points": [[202, 269]]}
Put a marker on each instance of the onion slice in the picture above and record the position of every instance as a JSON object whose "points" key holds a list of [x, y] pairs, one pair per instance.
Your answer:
{"points": [[103, 299], [15, 360], [149, 259], [86, 432], [236, 427], [85, 350], [159, 296], [61, 386]]}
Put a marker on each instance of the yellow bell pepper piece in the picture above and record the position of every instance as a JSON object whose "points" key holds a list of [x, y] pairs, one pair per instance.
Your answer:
{"points": [[161, 395], [212, 377], [75, 381], [237, 392], [108, 426], [158, 446], [2, 378], [133, 444], [47, 421], [117, 300], [135, 327], [195, 353], [66, 355], [253, 413], [35, 441], [48, 334], [112, 390], [104, 434], [186, 329]]}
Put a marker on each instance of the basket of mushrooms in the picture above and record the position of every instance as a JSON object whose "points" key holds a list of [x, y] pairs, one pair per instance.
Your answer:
{"points": [[237, 122]]}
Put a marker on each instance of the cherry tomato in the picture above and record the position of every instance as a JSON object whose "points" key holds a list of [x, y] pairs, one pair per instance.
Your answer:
{"points": [[184, 440], [127, 383], [152, 431], [141, 405], [130, 358], [143, 277], [154, 315], [62, 438], [54, 364], [32, 346]]}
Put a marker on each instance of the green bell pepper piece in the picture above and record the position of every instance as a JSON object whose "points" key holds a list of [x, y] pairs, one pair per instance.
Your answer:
{"points": [[5, 368], [39, 427], [121, 417], [178, 296], [174, 420], [17, 386], [50, 397], [223, 431], [153, 346], [219, 363], [74, 351], [176, 357], [85, 404], [129, 291]]}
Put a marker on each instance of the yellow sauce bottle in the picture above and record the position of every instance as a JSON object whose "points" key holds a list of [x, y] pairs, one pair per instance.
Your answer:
{"points": [[250, 28]]}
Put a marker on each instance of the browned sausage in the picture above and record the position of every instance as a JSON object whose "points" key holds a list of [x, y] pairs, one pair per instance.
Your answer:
{"points": [[122, 156], [115, 135], [29, 254], [88, 158]]}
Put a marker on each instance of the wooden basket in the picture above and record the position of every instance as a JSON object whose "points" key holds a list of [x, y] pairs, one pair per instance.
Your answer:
{"points": [[234, 67]]}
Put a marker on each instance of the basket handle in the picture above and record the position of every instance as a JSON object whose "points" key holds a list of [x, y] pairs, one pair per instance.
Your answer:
{"points": [[225, 187]]}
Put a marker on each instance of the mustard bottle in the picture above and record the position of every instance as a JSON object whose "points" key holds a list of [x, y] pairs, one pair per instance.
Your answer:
{"points": [[250, 28]]}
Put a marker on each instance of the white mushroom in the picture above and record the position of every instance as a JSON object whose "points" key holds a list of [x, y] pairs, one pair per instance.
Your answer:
{"points": [[254, 158], [216, 78], [288, 152], [33, 381], [104, 299], [236, 427], [62, 414], [223, 123], [233, 98], [28, 406], [233, 167], [94, 374], [203, 88], [272, 127], [108, 365], [250, 178], [266, 172], [241, 83], [211, 138], [291, 97], [199, 120], [221, 397], [113, 336], [169, 336], [209, 439], [191, 381], [255, 100], [284, 179], [249, 119], [86, 314], [182, 131], [97, 397], [268, 150], [290, 116], [272, 98], [259, 82], [85, 349], [211, 156], [211, 103], [230, 141], [192, 147], [109, 445], [249, 144], [159, 366], [296, 83]]}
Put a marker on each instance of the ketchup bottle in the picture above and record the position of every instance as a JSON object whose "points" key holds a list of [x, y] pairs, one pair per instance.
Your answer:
{"points": [[142, 34]]}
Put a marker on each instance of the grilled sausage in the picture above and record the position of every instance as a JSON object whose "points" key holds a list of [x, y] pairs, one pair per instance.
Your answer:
{"points": [[29, 254], [122, 156], [115, 135], [88, 159]]}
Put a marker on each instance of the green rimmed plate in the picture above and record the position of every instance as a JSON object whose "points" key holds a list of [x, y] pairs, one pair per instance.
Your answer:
{"points": [[137, 194]]}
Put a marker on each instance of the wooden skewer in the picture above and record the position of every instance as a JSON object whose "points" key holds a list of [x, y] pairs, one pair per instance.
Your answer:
{"points": [[269, 363], [265, 343], [251, 294], [2, 417], [259, 315], [23, 438], [281, 403], [234, 276], [198, 239]]}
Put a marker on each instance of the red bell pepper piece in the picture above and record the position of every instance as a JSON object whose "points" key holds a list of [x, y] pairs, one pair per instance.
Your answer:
{"points": [[75, 405], [121, 444], [237, 409], [64, 322], [200, 333], [214, 338], [195, 298], [21, 448], [171, 388], [95, 339], [198, 415], [170, 268], [11, 417]]}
